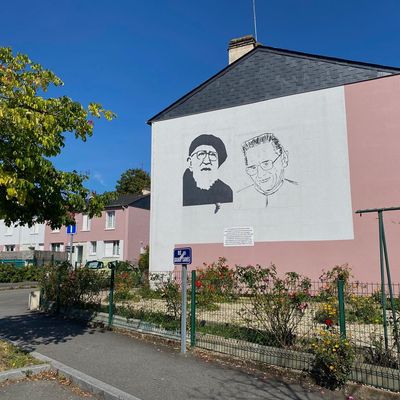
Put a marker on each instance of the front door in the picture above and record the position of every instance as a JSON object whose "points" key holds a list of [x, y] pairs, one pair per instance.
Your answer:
{"points": [[79, 255]]}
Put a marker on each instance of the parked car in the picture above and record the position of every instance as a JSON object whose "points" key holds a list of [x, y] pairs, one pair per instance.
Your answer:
{"points": [[94, 264]]}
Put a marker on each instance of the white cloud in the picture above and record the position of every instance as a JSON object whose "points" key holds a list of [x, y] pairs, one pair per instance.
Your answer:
{"points": [[99, 178]]}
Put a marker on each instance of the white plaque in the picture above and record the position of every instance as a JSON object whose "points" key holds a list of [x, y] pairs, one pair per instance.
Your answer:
{"points": [[239, 236]]}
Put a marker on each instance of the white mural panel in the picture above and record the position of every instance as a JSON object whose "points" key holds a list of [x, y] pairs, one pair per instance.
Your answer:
{"points": [[280, 166]]}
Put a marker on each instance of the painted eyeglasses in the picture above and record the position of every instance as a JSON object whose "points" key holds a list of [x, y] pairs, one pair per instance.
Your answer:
{"points": [[202, 154], [265, 165]]}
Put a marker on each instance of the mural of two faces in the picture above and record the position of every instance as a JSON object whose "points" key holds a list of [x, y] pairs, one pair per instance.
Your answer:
{"points": [[264, 160], [279, 168]]}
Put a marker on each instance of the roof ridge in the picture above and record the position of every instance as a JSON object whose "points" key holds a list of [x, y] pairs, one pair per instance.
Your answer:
{"points": [[336, 60]]}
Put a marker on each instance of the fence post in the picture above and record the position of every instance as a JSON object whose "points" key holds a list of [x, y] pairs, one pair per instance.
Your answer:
{"points": [[111, 297], [193, 311], [383, 289], [342, 318], [58, 297]]}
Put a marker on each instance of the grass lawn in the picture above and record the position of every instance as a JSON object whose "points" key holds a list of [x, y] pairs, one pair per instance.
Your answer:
{"points": [[12, 357]]}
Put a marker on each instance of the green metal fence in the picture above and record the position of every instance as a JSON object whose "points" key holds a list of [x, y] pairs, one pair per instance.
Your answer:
{"points": [[278, 329], [277, 322]]}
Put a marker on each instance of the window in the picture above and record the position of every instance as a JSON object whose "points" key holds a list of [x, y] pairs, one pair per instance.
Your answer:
{"points": [[57, 246], [111, 248], [55, 230], [110, 220], [10, 247], [86, 222], [116, 248], [92, 248], [34, 229], [9, 231]]}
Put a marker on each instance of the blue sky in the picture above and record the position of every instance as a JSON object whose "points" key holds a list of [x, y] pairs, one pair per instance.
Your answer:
{"points": [[137, 57]]}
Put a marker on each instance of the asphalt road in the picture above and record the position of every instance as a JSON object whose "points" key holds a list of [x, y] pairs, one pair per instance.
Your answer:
{"points": [[143, 369]]}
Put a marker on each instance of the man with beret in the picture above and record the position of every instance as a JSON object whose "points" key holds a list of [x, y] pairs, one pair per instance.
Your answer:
{"points": [[200, 180]]}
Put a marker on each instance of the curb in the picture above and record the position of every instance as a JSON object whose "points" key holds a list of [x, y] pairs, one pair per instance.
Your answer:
{"points": [[19, 285], [19, 373], [86, 382]]}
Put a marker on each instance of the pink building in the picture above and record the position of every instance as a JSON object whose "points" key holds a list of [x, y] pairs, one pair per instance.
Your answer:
{"points": [[121, 233], [270, 158]]}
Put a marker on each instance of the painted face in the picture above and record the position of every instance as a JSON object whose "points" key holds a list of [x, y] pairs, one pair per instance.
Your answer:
{"points": [[203, 162], [266, 167]]}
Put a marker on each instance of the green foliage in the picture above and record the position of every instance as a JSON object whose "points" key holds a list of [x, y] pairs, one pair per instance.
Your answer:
{"points": [[330, 278], [214, 284], [232, 331], [125, 281], [80, 288], [275, 306], [378, 354], [170, 291], [124, 266], [146, 292], [327, 312], [163, 321], [363, 309], [359, 308], [144, 260], [333, 360], [33, 129], [9, 273], [133, 181], [11, 357]]}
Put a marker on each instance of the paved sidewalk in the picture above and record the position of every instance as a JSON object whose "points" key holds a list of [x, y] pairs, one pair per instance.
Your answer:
{"points": [[42, 390], [142, 369]]}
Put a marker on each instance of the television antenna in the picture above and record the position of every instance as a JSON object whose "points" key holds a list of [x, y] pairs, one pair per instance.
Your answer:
{"points": [[255, 19]]}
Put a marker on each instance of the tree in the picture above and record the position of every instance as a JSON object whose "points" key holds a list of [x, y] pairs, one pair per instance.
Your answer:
{"points": [[133, 181], [32, 130]]}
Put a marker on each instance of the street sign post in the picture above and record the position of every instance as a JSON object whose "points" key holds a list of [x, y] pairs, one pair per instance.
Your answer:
{"points": [[183, 256], [71, 230]]}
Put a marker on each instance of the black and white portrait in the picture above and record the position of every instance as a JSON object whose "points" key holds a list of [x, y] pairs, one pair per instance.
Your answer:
{"points": [[201, 183], [266, 161]]}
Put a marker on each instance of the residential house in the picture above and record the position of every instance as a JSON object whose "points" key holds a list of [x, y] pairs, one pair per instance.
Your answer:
{"points": [[20, 238], [269, 159], [121, 233]]}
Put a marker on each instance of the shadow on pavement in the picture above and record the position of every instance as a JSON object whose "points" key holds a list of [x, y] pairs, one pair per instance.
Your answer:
{"points": [[36, 328], [246, 386]]}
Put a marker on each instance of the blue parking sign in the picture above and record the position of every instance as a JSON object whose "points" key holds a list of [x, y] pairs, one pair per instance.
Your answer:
{"points": [[71, 229], [183, 256]]}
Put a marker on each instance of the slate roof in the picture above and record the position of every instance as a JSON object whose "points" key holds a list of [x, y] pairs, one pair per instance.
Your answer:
{"points": [[132, 200], [267, 73]]}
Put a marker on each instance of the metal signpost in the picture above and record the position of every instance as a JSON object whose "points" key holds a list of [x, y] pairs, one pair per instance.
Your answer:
{"points": [[71, 230], [183, 256]]}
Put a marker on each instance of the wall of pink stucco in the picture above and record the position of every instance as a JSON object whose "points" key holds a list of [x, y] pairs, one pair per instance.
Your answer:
{"points": [[97, 231], [373, 128], [137, 232]]}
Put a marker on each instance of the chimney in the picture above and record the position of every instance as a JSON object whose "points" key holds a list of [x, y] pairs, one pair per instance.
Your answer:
{"points": [[240, 46]]}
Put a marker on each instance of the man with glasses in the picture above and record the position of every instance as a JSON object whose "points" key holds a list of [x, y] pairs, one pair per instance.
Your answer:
{"points": [[200, 180], [265, 161]]}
